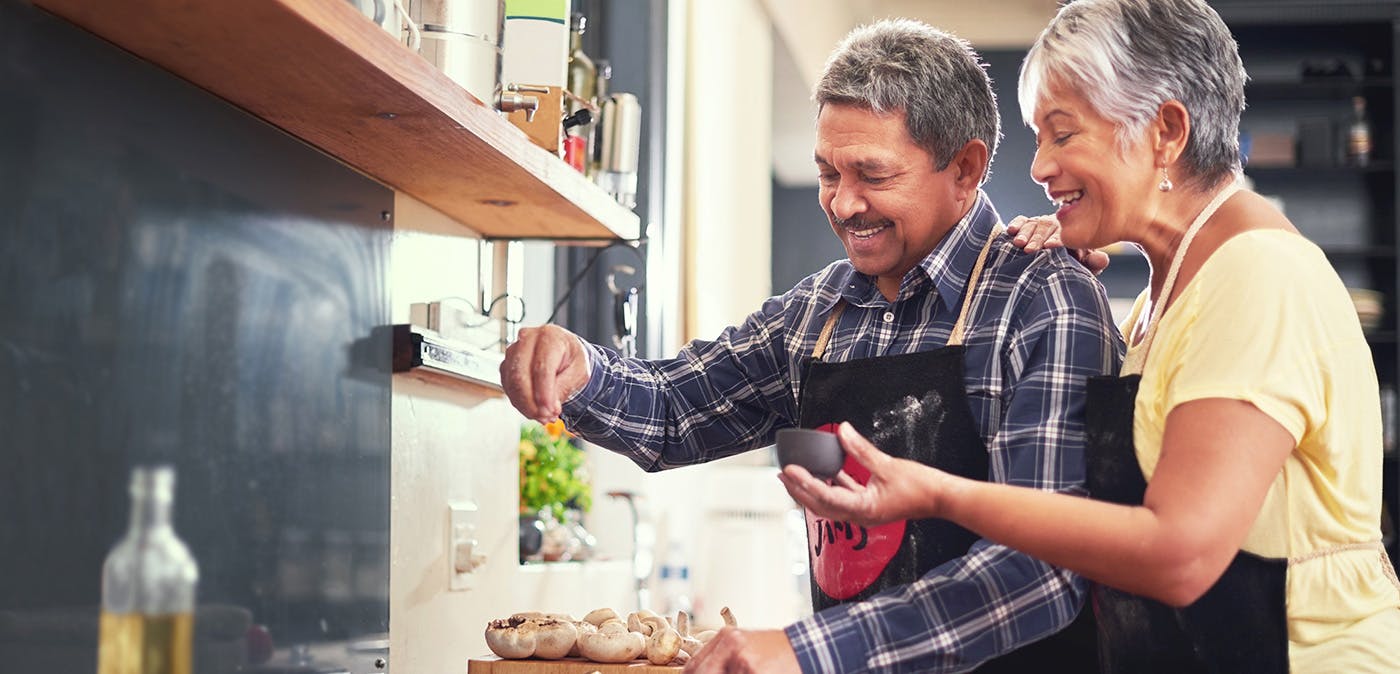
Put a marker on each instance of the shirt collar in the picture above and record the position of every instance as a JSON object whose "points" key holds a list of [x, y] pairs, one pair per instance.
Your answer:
{"points": [[946, 267]]}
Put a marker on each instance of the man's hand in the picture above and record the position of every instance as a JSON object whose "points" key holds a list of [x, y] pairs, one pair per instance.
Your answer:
{"points": [[736, 651], [1032, 234], [542, 368]]}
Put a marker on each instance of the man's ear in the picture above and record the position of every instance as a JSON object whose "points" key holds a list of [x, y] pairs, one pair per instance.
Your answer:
{"points": [[970, 164]]}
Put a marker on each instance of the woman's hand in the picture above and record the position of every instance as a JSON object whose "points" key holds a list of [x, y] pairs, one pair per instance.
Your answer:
{"points": [[1043, 231], [898, 489]]}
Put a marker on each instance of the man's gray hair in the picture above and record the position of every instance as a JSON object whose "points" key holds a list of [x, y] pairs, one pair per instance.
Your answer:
{"points": [[935, 78], [1128, 57]]}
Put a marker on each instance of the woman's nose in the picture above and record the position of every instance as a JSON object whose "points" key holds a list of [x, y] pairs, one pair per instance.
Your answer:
{"points": [[1042, 167]]}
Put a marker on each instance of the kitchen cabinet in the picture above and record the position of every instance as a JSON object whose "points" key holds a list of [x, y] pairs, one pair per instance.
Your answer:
{"points": [[327, 75], [1307, 64]]}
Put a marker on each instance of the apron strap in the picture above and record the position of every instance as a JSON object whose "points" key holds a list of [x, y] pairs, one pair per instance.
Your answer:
{"points": [[956, 337], [820, 349], [1137, 357]]}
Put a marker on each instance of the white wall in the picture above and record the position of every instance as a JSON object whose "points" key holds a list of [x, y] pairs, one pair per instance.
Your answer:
{"points": [[728, 160], [456, 443]]}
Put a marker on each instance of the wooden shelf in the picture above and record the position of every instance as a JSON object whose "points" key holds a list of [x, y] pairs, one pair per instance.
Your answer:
{"points": [[324, 73]]}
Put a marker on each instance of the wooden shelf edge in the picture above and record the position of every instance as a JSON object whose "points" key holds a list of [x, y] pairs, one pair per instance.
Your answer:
{"points": [[322, 72]]}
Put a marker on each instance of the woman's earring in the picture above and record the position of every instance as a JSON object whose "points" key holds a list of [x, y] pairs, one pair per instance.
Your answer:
{"points": [[1166, 184]]}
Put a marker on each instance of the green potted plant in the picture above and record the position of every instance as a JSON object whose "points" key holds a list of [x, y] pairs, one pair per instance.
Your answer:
{"points": [[553, 480]]}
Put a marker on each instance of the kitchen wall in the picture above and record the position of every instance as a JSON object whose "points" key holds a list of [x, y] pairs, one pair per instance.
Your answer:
{"points": [[455, 444], [182, 283]]}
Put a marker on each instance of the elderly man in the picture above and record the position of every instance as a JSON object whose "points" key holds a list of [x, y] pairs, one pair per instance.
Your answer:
{"points": [[937, 338]]}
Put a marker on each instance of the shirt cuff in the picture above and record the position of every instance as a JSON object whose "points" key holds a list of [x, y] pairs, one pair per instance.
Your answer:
{"points": [[577, 402], [831, 642]]}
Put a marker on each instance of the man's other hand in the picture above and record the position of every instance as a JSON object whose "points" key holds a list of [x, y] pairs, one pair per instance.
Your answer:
{"points": [[736, 651]]}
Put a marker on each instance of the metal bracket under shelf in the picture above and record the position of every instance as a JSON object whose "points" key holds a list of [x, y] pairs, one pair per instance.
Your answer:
{"points": [[415, 349]]}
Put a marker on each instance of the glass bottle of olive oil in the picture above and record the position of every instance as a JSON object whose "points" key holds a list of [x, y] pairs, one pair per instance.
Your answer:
{"points": [[148, 587]]}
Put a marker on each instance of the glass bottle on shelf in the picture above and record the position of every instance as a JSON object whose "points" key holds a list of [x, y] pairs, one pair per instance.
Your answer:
{"points": [[148, 586], [600, 94], [1359, 134], [582, 85]]}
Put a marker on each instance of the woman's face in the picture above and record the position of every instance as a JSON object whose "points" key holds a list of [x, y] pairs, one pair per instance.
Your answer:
{"points": [[1102, 195]]}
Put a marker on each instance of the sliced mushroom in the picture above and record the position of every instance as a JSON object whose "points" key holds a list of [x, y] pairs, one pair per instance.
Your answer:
{"points": [[729, 620], [665, 641], [612, 645], [511, 638]]}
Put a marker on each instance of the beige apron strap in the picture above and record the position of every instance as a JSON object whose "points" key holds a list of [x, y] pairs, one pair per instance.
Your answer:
{"points": [[820, 349], [956, 337], [1137, 357]]}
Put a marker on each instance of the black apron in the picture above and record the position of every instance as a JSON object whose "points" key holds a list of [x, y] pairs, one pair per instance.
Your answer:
{"points": [[1240, 623], [912, 406]]}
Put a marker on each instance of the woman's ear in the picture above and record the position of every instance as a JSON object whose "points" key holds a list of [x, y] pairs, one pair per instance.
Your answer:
{"points": [[1173, 128]]}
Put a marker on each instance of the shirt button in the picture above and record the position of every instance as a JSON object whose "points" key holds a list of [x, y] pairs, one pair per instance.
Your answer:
{"points": [[889, 316]]}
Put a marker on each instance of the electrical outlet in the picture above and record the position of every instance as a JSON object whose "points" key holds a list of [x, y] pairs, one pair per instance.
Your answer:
{"points": [[463, 547]]}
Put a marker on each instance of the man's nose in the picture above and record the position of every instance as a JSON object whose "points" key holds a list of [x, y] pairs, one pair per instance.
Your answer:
{"points": [[847, 202]]}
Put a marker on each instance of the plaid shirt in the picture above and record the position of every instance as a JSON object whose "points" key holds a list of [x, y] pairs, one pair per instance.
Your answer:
{"points": [[1038, 327]]}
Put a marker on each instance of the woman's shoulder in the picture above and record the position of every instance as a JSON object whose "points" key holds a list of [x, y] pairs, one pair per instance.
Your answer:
{"points": [[1268, 255]]}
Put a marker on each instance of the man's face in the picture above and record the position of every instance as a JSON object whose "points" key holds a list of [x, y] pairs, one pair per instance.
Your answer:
{"points": [[882, 193]]}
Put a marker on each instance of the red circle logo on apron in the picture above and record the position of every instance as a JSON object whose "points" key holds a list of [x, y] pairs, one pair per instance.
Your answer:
{"points": [[847, 558]]}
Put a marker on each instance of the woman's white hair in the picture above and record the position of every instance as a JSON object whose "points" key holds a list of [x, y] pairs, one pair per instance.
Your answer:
{"points": [[1128, 57]]}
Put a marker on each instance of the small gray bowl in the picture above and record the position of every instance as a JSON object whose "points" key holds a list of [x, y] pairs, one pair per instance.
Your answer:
{"points": [[817, 451]]}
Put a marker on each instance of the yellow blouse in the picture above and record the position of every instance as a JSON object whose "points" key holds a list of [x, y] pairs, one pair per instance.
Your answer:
{"points": [[1266, 320]]}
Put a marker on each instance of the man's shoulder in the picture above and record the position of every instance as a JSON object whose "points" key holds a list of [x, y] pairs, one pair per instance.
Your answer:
{"points": [[1053, 265], [825, 284]]}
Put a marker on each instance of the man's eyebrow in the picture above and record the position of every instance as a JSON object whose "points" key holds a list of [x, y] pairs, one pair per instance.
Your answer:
{"points": [[859, 165]]}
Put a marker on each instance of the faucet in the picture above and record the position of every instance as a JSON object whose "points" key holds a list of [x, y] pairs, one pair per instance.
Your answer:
{"points": [[510, 99], [641, 567]]}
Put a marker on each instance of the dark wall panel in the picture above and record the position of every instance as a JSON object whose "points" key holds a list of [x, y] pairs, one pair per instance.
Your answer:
{"points": [[182, 283]]}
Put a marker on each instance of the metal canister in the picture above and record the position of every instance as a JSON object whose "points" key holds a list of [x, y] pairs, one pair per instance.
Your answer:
{"points": [[463, 39], [620, 147]]}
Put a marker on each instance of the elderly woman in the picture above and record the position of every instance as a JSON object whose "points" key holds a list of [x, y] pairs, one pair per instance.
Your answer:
{"points": [[1234, 466]]}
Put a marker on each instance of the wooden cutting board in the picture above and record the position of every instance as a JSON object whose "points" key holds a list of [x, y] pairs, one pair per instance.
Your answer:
{"points": [[494, 665]]}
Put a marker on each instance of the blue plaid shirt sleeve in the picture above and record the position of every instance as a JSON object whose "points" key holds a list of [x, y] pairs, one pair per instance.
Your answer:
{"points": [[993, 599], [715, 399]]}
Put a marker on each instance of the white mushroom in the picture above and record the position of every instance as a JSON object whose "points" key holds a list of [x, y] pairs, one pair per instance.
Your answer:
{"points": [[511, 638], [635, 622], [554, 638], [689, 644], [609, 644], [665, 641], [583, 628], [597, 616]]}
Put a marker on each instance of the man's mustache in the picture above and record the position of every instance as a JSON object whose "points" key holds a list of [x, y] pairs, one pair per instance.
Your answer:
{"points": [[859, 223]]}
